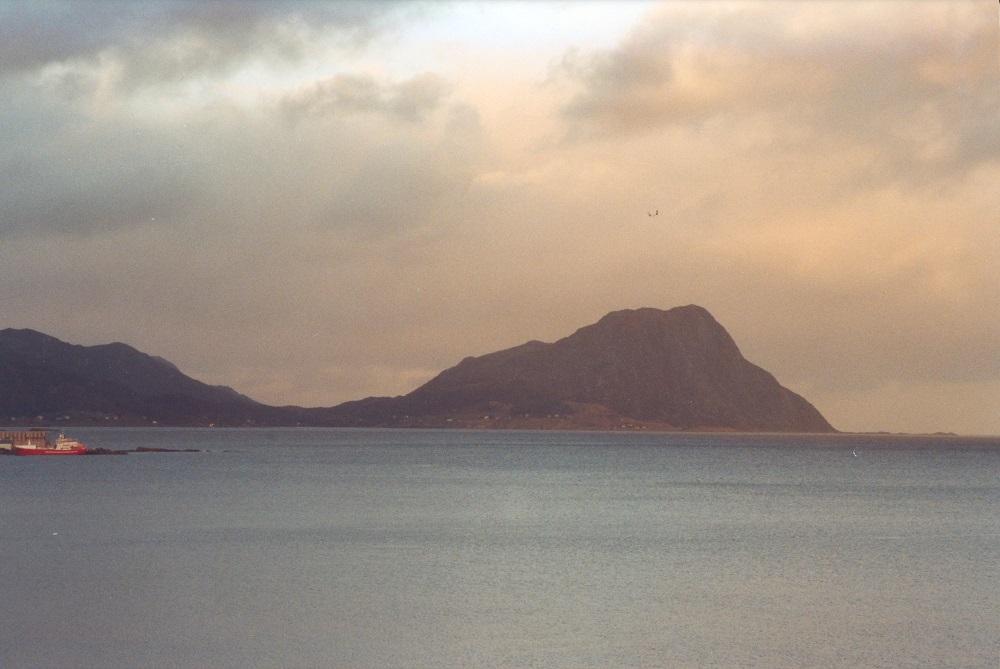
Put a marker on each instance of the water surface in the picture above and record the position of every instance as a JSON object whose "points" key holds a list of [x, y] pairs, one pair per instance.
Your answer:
{"points": [[395, 548]]}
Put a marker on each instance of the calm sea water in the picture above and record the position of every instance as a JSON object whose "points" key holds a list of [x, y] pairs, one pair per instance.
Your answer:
{"points": [[392, 548]]}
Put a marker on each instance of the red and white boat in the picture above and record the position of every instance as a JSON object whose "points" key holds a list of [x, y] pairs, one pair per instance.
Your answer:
{"points": [[63, 446]]}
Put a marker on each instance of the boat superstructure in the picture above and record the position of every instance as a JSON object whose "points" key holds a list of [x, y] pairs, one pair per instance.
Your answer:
{"points": [[37, 442]]}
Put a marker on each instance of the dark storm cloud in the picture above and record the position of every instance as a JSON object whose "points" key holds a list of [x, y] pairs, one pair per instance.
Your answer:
{"points": [[365, 158], [33, 34], [173, 39], [61, 173]]}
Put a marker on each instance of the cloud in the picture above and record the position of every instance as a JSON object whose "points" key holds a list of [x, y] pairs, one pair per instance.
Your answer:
{"points": [[171, 40], [361, 157], [84, 178], [117, 197], [409, 100], [916, 83]]}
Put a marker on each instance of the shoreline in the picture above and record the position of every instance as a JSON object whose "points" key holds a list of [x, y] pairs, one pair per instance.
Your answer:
{"points": [[513, 428]]}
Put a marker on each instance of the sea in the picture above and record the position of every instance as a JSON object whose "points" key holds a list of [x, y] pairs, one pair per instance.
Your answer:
{"points": [[443, 549]]}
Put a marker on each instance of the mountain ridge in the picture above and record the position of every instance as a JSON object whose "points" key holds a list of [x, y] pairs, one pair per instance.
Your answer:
{"points": [[673, 369], [114, 383], [640, 368]]}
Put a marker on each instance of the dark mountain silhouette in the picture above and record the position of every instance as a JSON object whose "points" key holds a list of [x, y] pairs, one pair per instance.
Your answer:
{"points": [[642, 368], [43, 379]]}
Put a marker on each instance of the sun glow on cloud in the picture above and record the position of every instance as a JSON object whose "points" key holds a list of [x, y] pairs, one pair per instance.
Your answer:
{"points": [[316, 202]]}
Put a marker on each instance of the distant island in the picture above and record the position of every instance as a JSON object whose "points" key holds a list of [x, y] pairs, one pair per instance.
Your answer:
{"points": [[633, 369]]}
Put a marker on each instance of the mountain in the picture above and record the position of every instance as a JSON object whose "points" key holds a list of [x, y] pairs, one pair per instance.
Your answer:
{"points": [[635, 368], [43, 379]]}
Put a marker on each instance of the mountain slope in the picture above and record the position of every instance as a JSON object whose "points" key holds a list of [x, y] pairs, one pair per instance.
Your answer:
{"points": [[676, 368], [642, 368], [43, 376]]}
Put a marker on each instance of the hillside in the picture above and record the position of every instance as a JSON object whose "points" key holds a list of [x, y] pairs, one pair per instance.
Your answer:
{"points": [[644, 367], [635, 369], [45, 380]]}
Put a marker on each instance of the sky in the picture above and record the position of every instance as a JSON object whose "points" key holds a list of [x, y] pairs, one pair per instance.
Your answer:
{"points": [[315, 202]]}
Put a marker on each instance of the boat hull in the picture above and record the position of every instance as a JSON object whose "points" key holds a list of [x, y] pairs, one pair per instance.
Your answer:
{"points": [[76, 450]]}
